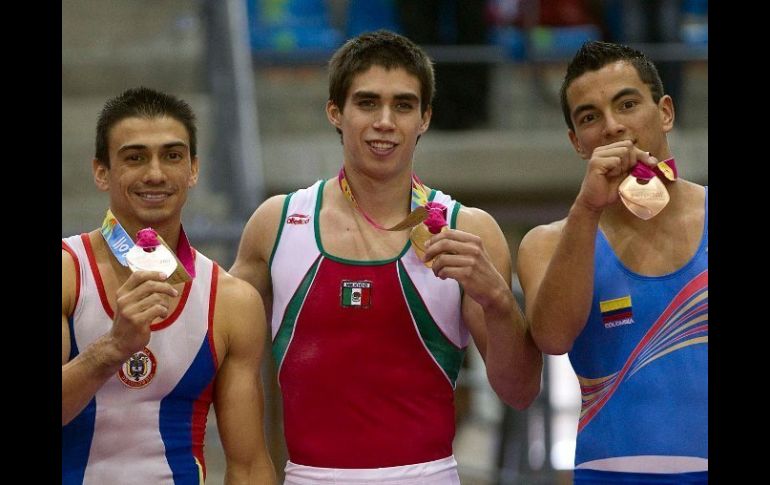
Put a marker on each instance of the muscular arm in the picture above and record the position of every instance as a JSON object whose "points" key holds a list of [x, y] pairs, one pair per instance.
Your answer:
{"points": [[253, 259], [477, 256], [140, 300], [238, 400], [555, 268], [556, 262]]}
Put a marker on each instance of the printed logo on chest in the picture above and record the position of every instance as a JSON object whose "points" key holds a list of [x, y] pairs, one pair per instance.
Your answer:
{"points": [[139, 369], [617, 312], [297, 219], [356, 294]]}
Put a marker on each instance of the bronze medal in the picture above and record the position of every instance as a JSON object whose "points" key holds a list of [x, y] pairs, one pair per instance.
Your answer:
{"points": [[644, 200]]}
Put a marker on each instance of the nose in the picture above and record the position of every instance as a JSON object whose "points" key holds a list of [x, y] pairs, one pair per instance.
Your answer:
{"points": [[613, 126], [384, 119], [154, 173]]}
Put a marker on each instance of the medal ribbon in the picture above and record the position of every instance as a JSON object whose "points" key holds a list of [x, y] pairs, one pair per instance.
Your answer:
{"points": [[120, 243], [418, 203], [665, 170]]}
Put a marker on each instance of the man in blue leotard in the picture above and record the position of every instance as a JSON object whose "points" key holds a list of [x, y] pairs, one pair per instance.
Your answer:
{"points": [[624, 288]]}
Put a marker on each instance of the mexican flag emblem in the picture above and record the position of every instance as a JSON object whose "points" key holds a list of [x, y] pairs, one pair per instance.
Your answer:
{"points": [[356, 294]]}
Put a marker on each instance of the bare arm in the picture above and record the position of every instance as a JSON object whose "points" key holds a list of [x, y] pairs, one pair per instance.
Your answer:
{"points": [[144, 297], [480, 261], [239, 320], [555, 268], [556, 262], [253, 259]]}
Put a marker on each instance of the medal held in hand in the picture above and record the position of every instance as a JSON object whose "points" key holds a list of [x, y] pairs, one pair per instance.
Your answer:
{"points": [[433, 224], [643, 192], [149, 254]]}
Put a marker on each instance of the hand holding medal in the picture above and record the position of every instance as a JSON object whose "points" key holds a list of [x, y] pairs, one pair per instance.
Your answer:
{"points": [[150, 253], [433, 224]]}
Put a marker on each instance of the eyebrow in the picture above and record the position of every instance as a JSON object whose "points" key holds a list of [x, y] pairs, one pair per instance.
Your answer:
{"points": [[372, 95], [173, 144], [623, 92]]}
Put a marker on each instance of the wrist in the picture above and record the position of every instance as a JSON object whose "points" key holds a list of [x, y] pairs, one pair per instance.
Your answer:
{"points": [[500, 305], [583, 210], [108, 355]]}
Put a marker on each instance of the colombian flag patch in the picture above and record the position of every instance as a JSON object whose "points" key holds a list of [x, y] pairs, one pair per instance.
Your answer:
{"points": [[617, 312]]}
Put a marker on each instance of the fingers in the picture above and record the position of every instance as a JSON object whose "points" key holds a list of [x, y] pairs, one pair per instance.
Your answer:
{"points": [[143, 283], [453, 266], [455, 254], [144, 297], [453, 241], [139, 277], [154, 302], [647, 158], [620, 158]]}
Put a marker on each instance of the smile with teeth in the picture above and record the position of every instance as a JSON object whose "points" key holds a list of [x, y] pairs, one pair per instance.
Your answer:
{"points": [[152, 196], [381, 145]]}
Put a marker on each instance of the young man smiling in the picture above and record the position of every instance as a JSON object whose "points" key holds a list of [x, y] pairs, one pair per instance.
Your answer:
{"points": [[368, 339], [143, 357]]}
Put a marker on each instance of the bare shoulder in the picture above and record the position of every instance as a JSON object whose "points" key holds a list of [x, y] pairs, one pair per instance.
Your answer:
{"points": [[695, 193], [268, 214], [235, 294], [262, 228], [541, 240], [239, 320], [476, 221], [67, 261]]}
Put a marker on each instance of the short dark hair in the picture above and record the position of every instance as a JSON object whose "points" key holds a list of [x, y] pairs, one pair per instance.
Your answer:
{"points": [[594, 55], [380, 48], [141, 102]]}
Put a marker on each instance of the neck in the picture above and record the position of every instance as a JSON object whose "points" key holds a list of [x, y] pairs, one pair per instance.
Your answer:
{"points": [[383, 199]]}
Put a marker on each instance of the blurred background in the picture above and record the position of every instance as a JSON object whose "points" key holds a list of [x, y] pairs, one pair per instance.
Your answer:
{"points": [[254, 72]]}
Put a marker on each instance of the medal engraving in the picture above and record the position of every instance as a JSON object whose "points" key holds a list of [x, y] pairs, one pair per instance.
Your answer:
{"points": [[644, 200], [159, 259]]}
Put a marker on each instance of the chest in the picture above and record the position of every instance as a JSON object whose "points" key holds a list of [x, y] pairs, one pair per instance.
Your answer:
{"points": [[660, 250], [349, 236]]}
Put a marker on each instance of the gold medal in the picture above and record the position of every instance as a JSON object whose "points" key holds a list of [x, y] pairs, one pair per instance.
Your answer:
{"points": [[419, 235], [645, 201]]}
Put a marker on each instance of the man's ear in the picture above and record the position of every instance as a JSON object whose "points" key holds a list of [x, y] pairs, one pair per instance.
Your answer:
{"points": [[101, 175], [667, 113], [334, 114], [194, 171], [426, 119], [577, 146]]}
